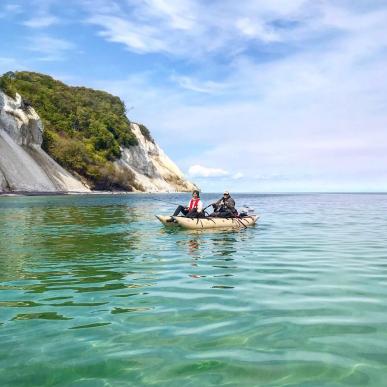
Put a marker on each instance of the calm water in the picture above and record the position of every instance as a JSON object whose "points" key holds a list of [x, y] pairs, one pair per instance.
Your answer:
{"points": [[95, 292]]}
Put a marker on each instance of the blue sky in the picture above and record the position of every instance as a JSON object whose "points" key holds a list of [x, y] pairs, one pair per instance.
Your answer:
{"points": [[259, 96]]}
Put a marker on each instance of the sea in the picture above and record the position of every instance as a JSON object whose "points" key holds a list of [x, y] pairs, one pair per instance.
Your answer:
{"points": [[95, 291]]}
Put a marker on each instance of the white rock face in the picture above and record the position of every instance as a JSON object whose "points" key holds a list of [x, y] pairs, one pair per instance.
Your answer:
{"points": [[24, 166], [3, 183], [21, 123], [154, 171]]}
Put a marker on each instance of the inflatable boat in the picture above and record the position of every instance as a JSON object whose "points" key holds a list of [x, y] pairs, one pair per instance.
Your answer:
{"points": [[208, 222]]}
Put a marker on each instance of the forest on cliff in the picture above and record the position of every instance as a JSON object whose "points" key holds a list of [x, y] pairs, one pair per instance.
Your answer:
{"points": [[84, 129]]}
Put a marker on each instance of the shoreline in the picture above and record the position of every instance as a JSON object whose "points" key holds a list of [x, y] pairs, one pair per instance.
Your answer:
{"points": [[66, 193]]}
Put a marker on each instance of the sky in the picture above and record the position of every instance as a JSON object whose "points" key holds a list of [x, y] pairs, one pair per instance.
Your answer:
{"points": [[248, 96]]}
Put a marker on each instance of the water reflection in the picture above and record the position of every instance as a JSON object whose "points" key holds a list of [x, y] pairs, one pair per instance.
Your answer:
{"points": [[64, 232], [193, 245], [71, 257], [212, 255], [92, 257], [139, 303]]}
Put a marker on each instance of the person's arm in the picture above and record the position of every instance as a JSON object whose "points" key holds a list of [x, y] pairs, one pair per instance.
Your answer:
{"points": [[230, 203], [200, 206], [216, 204]]}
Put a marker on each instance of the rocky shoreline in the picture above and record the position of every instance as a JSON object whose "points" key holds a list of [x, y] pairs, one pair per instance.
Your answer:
{"points": [[68, 193]]}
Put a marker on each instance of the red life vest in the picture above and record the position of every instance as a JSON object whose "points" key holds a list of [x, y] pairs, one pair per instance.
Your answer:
{"points": [[193, 203]]}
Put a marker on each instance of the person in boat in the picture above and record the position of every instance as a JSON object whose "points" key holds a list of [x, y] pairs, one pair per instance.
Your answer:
{"points": [[224, 207], [194, 208]]}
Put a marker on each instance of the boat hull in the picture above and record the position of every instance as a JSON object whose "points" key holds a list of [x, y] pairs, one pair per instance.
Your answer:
{"points": [[209, 222], [165, 220]]}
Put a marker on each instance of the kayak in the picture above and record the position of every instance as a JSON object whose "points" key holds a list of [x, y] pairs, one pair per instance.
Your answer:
{"points": [[208, 222]]}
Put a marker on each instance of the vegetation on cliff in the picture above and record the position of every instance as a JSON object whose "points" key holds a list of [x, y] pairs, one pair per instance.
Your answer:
{"points": [[145, 132], [83, 128]]}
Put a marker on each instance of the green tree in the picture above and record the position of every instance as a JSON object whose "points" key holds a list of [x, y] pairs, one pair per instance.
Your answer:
{"points": [[84, 129]]}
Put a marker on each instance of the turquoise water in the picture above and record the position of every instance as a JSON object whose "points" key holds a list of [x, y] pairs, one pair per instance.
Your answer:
{"points": [[94, 291]]}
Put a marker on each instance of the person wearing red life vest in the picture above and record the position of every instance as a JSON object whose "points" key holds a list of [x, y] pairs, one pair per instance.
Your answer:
{"points": [[194, 208]]}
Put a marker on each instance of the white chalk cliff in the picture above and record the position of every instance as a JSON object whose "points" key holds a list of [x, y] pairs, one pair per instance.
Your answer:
{"points": [[25, 166], [154, 171]]}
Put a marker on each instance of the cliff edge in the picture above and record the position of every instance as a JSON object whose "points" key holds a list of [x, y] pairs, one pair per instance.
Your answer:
{"points": [[24, 166], [55, 138], [153, 170]]}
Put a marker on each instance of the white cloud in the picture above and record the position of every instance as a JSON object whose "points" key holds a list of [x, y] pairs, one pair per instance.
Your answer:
{"points": [[13, 8], [139, 38], [289, 93], [311, 115], [192, 29], [189, 83], [9, 10], [40, 14], [41, 21], [201, 171], [51, 48], [257, 29], [238, 176], [180, 14]]}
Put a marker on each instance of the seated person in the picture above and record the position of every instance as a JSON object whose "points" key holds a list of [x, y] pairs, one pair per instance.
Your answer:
{"points": [[194, 208], [224, 207]]}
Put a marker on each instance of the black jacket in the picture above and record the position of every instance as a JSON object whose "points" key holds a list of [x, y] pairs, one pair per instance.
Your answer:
{"points": [[228, 203]]}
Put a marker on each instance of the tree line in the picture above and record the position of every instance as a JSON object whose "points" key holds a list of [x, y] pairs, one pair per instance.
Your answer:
{"points": [[84, 129]]}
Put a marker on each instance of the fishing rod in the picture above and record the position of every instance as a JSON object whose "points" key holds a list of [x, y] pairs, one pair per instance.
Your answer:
{"points": [[175, 204], [164, 201]]}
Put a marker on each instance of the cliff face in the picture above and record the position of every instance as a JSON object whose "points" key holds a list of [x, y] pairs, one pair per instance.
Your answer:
{"points": [[153, 170], [25, 166]]}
